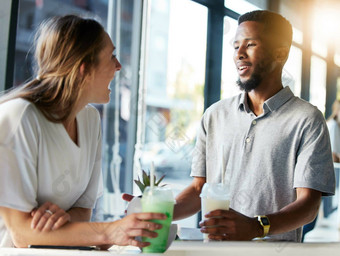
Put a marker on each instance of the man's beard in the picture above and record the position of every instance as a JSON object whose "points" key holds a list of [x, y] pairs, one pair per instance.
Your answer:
{"points": [[252, 83], [256, 78]]}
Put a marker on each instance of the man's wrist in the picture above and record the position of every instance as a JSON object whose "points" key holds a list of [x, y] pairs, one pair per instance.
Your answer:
{"points": [[258, 228], [264, 224]]}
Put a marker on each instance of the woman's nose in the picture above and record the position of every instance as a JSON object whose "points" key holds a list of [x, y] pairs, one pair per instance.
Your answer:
{"points": [[118, 65]]}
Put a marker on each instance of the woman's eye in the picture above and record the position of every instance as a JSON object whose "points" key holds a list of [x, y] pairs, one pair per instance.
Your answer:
{"points": [[114, 56], [250, 45]]}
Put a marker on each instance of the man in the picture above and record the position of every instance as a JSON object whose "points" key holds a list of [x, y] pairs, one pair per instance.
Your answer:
{"points": [[276, 146]]}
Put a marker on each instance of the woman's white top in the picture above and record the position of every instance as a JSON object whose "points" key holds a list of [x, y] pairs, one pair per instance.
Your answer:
{"points": [[39, 162]]}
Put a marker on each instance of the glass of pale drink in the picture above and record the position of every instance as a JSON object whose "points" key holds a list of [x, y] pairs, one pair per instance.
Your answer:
{"points": [[214, 197], [160, 200]]}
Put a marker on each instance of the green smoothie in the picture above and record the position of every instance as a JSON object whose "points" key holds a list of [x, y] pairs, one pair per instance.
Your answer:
{"points": [[159, 200]]}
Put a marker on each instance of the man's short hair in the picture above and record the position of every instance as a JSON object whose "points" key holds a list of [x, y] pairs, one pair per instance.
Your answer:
{"points": [[274, 24]]}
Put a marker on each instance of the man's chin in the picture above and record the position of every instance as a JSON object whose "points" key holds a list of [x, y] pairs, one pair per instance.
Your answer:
{"points": [[247, 85]]}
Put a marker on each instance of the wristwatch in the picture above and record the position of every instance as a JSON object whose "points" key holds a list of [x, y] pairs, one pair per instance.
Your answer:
{"points": [[264, 222]]}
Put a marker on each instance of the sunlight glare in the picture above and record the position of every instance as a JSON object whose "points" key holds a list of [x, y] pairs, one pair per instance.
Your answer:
{"points": [[326, 23]]}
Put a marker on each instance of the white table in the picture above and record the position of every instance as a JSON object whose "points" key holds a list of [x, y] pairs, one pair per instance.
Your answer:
{"points": [[198, 248]]}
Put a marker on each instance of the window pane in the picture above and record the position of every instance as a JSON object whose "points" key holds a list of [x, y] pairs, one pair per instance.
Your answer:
{"points": [[175, 73], [318, 83], [116, 114], [229, 87], [31, 13], [291, 75], [338, 88], [297, 35], [240, 6], [337, 59], [319, 47]]}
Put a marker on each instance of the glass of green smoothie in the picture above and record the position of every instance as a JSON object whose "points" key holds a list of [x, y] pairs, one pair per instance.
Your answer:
{"points": [[160, 200]]}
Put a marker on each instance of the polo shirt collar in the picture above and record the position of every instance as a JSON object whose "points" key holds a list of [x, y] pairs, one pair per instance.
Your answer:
{"points": [[271, 104]]}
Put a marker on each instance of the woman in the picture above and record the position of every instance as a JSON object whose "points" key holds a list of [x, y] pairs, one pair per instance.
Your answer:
{"points": [[50, 144]]}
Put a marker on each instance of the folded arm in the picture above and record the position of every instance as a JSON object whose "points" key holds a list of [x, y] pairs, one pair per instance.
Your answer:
{"points": [[50, 216], [121, 232], [79, 214]]}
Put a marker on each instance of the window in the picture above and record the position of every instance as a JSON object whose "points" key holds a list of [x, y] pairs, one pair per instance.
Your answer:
{"points": [[240, 6], [31, 13], [337, 59], [291, 74], [297, 36], [318, 83], [174, 80], [229, 87], [319, 47]]}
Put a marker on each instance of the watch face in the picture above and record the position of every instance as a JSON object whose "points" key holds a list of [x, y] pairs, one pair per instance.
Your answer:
{"points": [[265, 221]]}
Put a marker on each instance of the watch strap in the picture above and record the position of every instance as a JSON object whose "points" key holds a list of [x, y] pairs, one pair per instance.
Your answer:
{"points": [[264, 222]]}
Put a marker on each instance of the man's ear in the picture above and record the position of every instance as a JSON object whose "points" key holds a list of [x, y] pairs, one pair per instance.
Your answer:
{"points": [[281, 54]]}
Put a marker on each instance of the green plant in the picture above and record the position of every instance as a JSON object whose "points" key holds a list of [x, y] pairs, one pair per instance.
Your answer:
{"points": [[145, 181]]}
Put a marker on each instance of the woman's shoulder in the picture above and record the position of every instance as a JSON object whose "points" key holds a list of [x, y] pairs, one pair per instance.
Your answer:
{"points": [[16, 113], [89, 117], [16, 108], [91, 112]]}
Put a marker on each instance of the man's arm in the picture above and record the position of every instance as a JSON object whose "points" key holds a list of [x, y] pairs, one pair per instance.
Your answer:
{"points": [[188, 202], [121, 232], [235, 226], [302, 211]]}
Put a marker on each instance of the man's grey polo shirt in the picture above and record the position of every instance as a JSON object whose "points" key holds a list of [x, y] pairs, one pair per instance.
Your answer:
{"points": [[267, 156]]}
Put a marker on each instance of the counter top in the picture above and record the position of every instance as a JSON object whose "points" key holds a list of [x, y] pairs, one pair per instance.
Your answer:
{"points": [[198, 248]]}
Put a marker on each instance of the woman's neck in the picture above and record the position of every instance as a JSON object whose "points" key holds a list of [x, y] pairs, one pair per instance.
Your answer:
{"points": [[72, 129]]}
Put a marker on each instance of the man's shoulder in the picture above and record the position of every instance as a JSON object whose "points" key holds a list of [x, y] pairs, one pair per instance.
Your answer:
{"points": [[303, 108], [228, 104]]}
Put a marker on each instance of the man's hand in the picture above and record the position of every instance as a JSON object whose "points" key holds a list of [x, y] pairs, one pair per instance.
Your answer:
{"points": [[230, 225], [49, 217]]}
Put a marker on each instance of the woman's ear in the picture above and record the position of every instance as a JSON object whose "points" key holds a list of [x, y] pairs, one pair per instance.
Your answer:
{"points": [[82, 69]]}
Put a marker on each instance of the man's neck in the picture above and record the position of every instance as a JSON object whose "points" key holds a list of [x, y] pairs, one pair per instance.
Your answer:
{"points": [[263, 92]]}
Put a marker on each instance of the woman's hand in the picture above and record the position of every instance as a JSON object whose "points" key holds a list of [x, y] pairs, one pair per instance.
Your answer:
{"points": [[49, 217], [136, 224]]}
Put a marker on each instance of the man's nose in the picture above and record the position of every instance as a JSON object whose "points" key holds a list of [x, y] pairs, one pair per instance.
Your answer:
{"points": [[241, 53]]}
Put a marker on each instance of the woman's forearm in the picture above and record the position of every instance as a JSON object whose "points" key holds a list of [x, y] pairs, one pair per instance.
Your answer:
{"points": [[80, 214]]}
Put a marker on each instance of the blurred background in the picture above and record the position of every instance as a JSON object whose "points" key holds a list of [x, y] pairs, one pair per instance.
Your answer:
{"points": [[177, 61]]}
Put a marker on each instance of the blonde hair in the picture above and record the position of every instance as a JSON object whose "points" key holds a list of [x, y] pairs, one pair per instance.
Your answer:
{"points": [[335, 110], [62, 45]]}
